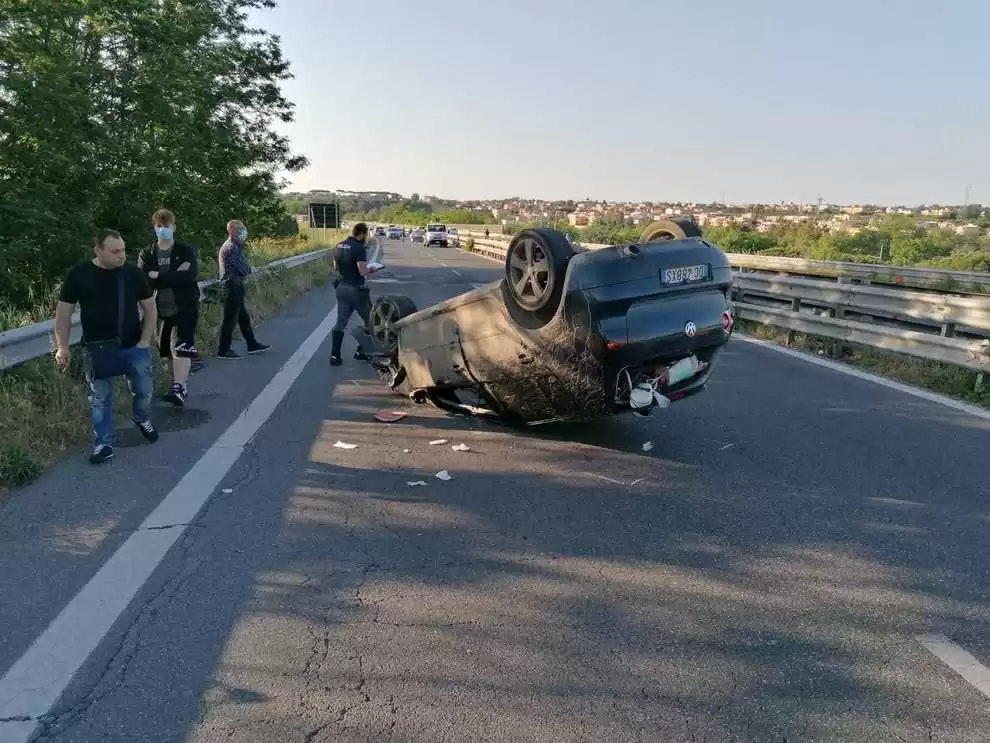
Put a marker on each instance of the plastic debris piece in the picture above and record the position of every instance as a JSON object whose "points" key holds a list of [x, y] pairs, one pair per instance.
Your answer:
{"points": [[227, 491], [437, 442], [342, 445], [461, 447], [405, 451], [648, 446], [416, 483], [444, 475], [389, 416]]}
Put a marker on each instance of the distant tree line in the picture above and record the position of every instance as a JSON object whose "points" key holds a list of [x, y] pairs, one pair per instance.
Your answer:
{"points": [[110, 109], [388, 208], [894, 239]]}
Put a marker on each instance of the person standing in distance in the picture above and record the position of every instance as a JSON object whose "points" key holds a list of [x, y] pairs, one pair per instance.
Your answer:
{"points": [[172, 268], [353, 295], [234, 269], [116, 341]]}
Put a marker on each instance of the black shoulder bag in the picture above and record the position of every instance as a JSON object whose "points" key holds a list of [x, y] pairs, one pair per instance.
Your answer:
{"points": [[105, 358]]}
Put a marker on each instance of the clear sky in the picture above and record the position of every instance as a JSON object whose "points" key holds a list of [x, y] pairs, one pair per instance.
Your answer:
{"points": [[751, 100]]}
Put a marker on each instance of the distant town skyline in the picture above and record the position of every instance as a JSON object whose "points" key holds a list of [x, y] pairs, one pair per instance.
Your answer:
{"points": [[732, 204]]}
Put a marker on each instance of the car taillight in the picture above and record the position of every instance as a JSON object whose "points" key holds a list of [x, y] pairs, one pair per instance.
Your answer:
{"points": [[727, 321]]}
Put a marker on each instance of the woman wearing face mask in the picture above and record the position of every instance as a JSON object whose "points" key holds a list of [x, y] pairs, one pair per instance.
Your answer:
{"points": [[172, 267]]}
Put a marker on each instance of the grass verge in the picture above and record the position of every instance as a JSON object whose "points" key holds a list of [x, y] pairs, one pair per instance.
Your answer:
{"points": [[930, 375], [260, 252], [46, 411]]}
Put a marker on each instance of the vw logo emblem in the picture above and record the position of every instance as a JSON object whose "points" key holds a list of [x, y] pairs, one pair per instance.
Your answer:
{"points": [[690, 329]]}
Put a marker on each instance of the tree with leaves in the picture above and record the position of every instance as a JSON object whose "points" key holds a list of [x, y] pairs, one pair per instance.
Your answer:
{"points": [[110, 109]]}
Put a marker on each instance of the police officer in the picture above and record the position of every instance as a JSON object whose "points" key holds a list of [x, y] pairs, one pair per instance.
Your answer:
{"points": [[353, 295]]}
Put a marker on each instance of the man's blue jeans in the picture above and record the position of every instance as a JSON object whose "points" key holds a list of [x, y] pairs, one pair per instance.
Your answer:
{"points": [[140, 380]]}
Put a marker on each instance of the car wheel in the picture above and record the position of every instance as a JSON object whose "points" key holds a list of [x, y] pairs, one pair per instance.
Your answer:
{"points": [[535, 264], [670, 229], [385, 312]]}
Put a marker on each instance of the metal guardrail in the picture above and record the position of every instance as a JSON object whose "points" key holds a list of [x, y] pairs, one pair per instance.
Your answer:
{"points": [[34, 341], [972, 282], [888, 320]]}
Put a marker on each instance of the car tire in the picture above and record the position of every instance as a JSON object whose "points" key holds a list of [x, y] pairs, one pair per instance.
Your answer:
{"points": [[387, 310], [664, 230], [537, 291]]}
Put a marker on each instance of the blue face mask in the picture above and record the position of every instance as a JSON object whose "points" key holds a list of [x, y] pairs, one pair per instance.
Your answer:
{"points": [[164, 233], [242, 234]]}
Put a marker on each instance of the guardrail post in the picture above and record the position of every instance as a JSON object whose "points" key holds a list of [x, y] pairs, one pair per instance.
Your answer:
{"points": [[978, 387], [948, 330], [836, 348], [791, 334]]}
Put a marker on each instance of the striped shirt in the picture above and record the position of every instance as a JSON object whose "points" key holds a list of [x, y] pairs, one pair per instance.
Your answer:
{"points": [[233, 265]]}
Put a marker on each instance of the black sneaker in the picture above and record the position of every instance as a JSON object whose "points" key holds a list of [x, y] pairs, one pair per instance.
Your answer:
{"points": [[335, 361], [148, 430], [176, 395], [186, 351], [101, 453], [228, 354], [258, 348]]}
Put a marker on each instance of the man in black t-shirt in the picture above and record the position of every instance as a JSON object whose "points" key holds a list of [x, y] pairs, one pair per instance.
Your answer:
{"points": [[353, 295], [116, 343]]}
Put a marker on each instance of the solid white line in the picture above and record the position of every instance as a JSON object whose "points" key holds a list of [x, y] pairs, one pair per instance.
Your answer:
{"points": [[907, 389], [35, 682], [454, 270], [960, 661]]}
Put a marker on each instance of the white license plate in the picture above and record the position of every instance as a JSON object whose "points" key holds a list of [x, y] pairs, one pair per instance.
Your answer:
{"points": [[684, 274]]}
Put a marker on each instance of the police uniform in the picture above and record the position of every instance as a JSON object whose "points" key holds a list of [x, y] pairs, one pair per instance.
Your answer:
{"points": [[353, 294]]}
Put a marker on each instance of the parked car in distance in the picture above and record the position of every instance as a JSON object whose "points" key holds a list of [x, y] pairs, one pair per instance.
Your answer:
{"points": [[568, 333], [417, 235], [394, 233], [453, 239], [436, 234], [379, 232]]}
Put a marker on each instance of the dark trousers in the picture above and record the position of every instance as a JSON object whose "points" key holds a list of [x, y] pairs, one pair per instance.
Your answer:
{"points": [[235, 313], [351, 299]]}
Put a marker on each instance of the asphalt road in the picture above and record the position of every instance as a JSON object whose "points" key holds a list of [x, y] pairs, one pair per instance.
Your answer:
{"points": [[763, 573]]}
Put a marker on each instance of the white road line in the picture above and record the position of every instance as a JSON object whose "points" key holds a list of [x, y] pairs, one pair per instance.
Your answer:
{"points": [[960, 661], [36, 681], [907, 389], [454, 270]]}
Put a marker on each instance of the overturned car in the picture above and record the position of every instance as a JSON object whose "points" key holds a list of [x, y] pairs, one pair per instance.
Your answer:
{"points": [[568, 333]]}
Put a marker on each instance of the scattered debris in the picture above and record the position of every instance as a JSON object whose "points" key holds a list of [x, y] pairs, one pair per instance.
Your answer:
{"points": [[437, 442], [405, 451], [726, 447], [342, 445], [389, 416], [461, 447], [637, 482], [227, 491], [648, 446], [443, 475], [416, 483]]}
